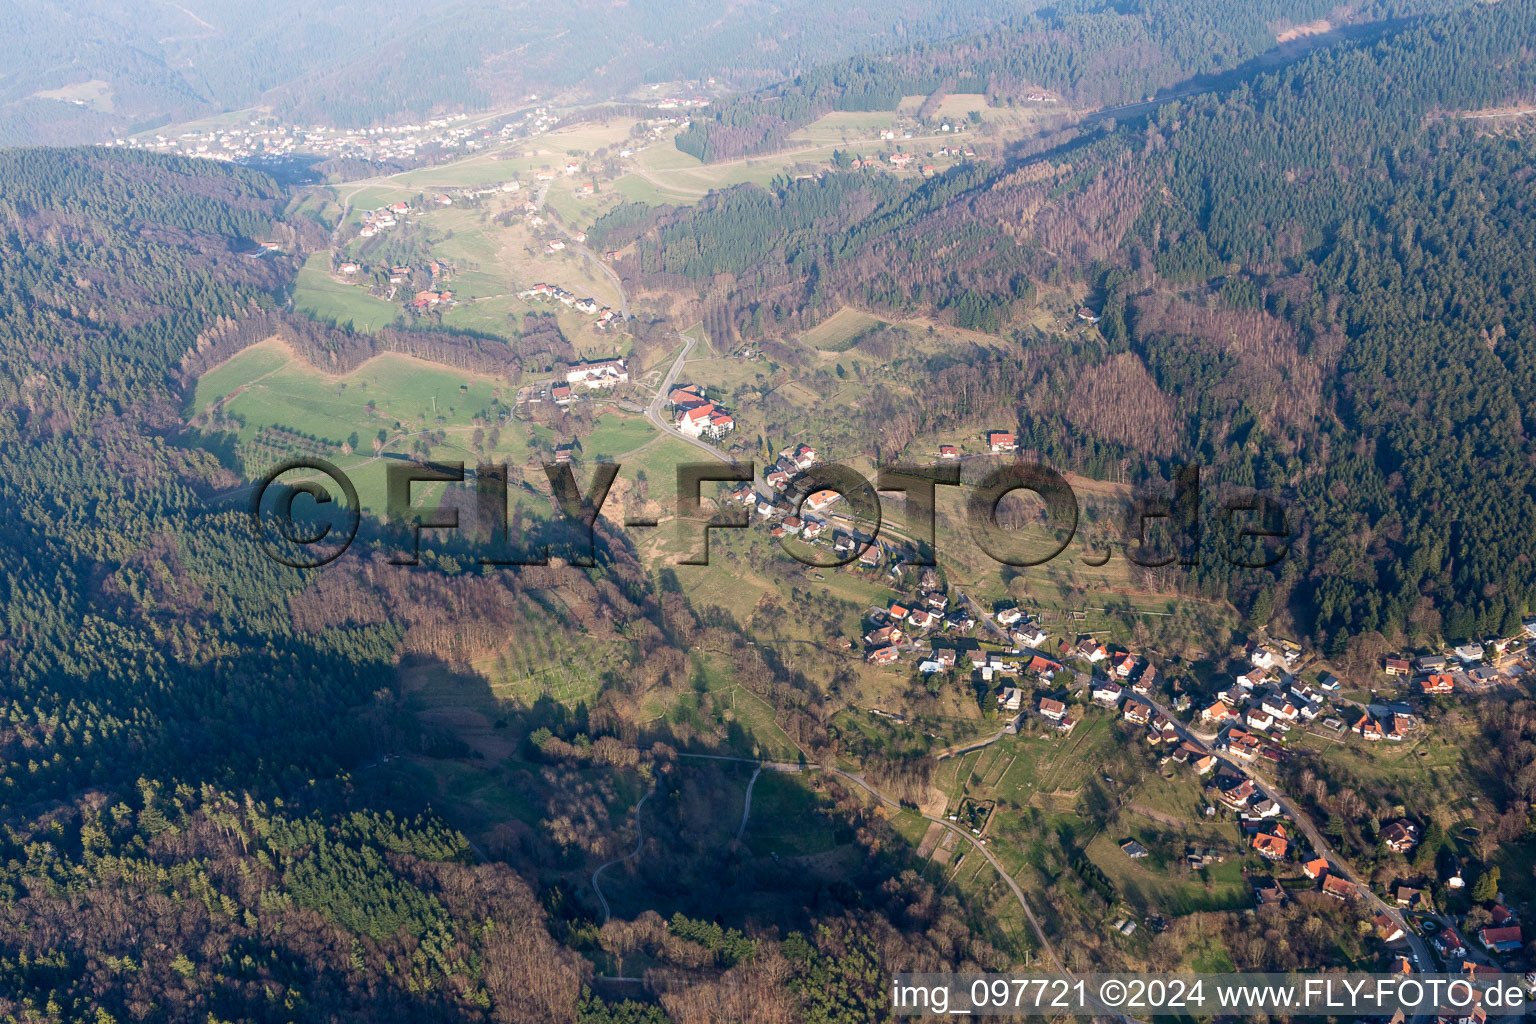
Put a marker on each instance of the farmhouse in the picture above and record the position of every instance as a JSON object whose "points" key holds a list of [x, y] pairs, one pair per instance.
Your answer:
{"points": [[1001, 441]]}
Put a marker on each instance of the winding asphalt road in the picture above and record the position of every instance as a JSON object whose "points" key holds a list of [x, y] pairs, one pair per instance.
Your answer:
{"points": [[639, 841]]}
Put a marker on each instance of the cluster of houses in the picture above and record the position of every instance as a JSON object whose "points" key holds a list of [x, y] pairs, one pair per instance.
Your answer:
{"points": [[1265, 701], [385, 217], [908, 621], [1128, 677], [265, 141], [554, 293], [696, 416], [1466, 667], [429, 299], [783, 490]]}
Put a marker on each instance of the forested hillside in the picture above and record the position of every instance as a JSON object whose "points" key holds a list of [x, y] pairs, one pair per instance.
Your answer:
{"points": [[1087, 53], [1315, 283], [201, 823]]}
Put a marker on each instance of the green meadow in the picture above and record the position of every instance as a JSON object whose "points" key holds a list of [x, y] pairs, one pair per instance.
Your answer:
{"points": [[317, 294]]}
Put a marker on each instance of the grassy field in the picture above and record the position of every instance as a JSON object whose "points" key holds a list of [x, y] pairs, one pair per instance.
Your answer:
{"points": [[789, 818], [317, 294], [265, 388], [840, 331]]}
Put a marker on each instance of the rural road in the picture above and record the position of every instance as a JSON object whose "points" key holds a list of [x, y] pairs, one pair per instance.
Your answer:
{"points": [[639, 842], [660, 422], [581, 247], [746, 806]]}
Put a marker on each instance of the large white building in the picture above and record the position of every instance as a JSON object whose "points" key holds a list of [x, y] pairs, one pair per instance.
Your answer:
{"points": [[604, 373]]}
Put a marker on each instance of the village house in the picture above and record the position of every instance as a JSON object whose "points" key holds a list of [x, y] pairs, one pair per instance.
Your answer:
{"points": [[883, 656], [1237, 796], [1448, 943], [1029, 635], [1395, 666], [1136, 713], [1270, 847], [1001, 441], [1044, 667], [1338, 888], [959, 620], [1502, 939], [802, 456], [1315, 869], [1252, 679], [1280, 708], [1387, 930], [1266, 808], [819, 500], [1053, 709], [1469, 653], [1218, 714], [1400, 836], [1368, 728], [1008, 616], [940, 659], [948, 451], [884, 635], [1010, 698], [1409, 897], [1092, 650], [1107, 693], [1242, 744], [1262, 657], [1258, 719]]}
